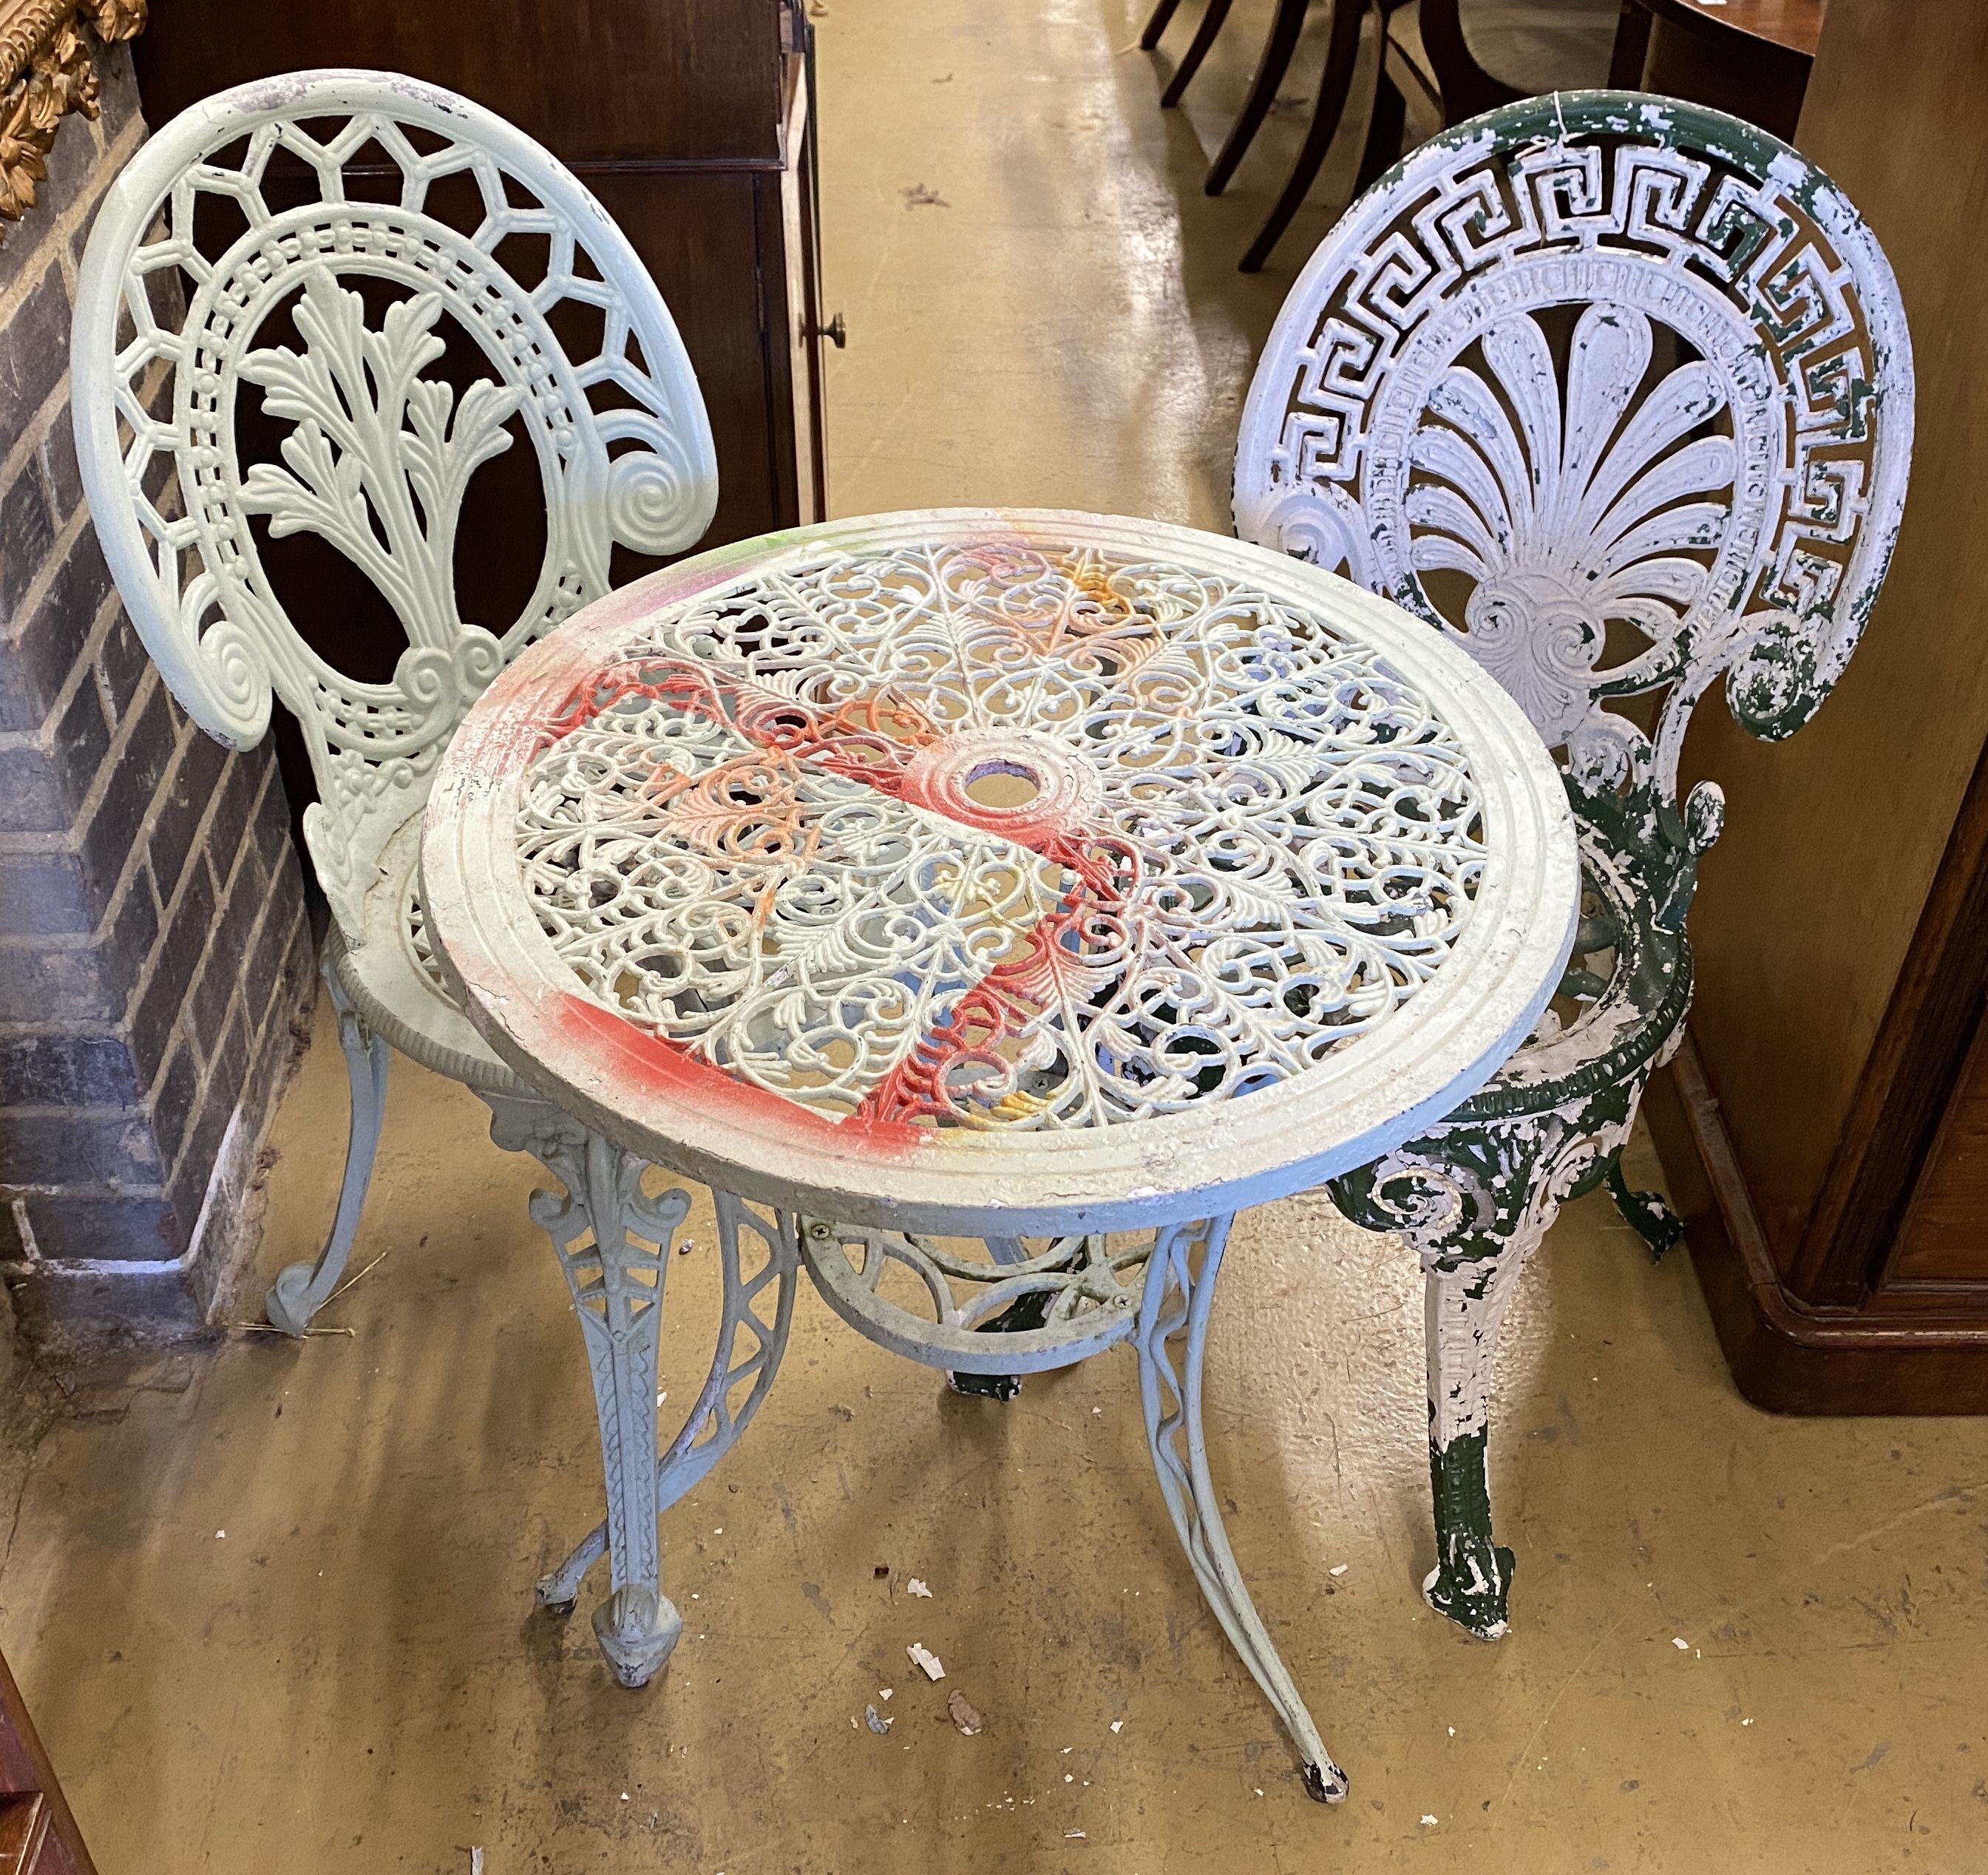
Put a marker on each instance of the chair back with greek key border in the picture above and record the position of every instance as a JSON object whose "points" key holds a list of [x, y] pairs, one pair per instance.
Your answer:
{"points": [[1617, 391]]}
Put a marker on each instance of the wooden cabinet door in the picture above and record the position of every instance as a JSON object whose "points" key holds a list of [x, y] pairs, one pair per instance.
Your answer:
{"points": [[1944, 1238]]}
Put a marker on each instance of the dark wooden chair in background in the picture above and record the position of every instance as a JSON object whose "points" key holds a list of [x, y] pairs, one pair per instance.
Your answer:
{"points": [[1516, 48]]}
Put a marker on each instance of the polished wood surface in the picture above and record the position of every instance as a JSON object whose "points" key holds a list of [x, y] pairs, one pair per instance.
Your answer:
{"points": [[1919, 1057], [681, 81], [1793, 26], [1943, 1238], [23, 1831], [1749, 58], [38, 1832], [1785, 1355], [1840, 924]]}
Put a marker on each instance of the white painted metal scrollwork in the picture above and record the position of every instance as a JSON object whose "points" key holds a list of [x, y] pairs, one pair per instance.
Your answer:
{"points": [[1014, 1309], [1618, 391], [1234, 839], [612, 1238], [1172, 1342], [379, 454], [760, 1306], [989, 887]]}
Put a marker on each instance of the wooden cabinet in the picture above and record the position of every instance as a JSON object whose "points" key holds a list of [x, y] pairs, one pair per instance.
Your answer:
{"points": [[1826, 1130], [1943, 1236], [692, 121], [37, 1835]]}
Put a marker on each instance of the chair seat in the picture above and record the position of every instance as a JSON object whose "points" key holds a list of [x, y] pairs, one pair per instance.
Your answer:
{"points": [[393, 979], [1541, 45], [1622, 1004]]}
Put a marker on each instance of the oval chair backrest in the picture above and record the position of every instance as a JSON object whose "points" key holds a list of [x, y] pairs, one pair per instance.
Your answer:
{"points": [[1616, 390], [376, 455]]}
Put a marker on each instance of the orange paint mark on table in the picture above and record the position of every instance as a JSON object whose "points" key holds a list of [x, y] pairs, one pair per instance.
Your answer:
{"points": [[653, 1064]]}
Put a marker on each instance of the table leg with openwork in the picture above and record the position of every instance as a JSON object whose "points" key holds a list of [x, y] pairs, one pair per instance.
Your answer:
{"points": [[761, 1302], [1172, 1338], [1083, 1293], [612, 1240]]}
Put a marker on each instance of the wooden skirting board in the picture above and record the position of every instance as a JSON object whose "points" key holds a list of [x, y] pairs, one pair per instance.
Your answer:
{"points": [[1786, 1355]]}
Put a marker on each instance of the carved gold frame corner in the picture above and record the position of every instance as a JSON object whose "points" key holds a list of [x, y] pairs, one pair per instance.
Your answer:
{"points": [[46, 71]]}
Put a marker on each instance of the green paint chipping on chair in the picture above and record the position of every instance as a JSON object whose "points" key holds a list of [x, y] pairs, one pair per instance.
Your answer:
{"points": [[1617, 391]]}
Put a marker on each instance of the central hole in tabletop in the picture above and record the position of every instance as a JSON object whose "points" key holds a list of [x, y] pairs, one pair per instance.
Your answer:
{"points": [[1001, 783]]}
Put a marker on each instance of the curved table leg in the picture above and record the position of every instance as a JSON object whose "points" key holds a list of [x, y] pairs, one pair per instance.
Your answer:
{"points": [[299, 1292], [612, 1242], [1180, 1286], [714, 1423]]}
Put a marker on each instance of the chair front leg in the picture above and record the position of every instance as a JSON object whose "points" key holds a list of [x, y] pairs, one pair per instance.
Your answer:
{"points": [[1464, 1302], [1474, 1200]]}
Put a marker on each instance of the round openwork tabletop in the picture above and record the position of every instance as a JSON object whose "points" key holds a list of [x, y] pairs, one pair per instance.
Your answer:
{"points": [[1000, 871]]}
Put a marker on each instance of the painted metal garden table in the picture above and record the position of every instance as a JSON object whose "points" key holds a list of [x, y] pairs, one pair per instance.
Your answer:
{"points": [[985, 905]]}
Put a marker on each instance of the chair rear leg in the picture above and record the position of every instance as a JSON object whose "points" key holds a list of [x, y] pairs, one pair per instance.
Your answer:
{"points": [[1162, 17], [1342, 54], [300, 1291], [1383, 148], [1278, 49], [1204, 37], [1654, 1221]]}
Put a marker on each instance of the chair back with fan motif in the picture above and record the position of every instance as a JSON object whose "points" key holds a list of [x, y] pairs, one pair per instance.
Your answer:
{"points": [[1617, 391], [369, 219]]}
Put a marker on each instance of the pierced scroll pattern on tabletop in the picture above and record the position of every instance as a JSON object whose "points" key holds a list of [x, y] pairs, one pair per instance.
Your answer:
{"points": [[1618, 366], [1236, 838]]}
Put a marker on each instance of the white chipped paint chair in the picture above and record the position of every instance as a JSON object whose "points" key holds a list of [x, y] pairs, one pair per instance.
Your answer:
{"points": [[1618, 392], [378, 454]]}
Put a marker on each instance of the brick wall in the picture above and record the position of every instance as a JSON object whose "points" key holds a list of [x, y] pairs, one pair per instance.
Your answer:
{"points": [[154, 955]]}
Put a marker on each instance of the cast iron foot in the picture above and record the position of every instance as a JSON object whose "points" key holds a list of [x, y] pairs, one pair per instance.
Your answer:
{"points": [[1654, 1222], [638, 1629]]}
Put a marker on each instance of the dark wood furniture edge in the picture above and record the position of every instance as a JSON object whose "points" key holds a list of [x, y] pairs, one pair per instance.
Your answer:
{"points": [[37, 1775], [1785, 1356], [1734, 35], [1915, 1061], [664, 165], [1467, 88]]}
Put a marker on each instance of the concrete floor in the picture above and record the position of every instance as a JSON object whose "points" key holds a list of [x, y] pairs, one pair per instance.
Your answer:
{"points": [[272, 1603]]}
